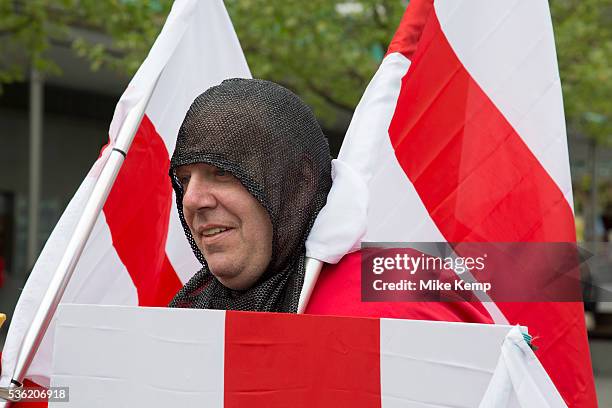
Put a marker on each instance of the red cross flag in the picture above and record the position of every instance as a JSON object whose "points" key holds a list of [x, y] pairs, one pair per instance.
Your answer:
{"points": [[137, 253], [460, 137], [219, 359]]}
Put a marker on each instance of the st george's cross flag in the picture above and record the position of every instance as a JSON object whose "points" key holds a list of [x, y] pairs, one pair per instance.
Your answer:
{"points": [[460, 137], [220, 359], [137, 253]]}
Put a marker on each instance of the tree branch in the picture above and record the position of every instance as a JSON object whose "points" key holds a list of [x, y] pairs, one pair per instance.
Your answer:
{"points": [[323, 94]]}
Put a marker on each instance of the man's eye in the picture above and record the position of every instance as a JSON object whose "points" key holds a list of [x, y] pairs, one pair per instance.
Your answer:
{"points": [[184, 180], [221, 172]]}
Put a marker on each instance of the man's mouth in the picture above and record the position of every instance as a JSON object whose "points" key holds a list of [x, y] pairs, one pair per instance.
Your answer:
{"points": [[211, 232]]}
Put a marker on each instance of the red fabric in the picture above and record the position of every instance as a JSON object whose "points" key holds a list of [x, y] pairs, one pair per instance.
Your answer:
{"points": [[40, 404], [300, 361], [480, 182], [408, 34], [338, 292], [137, 213]]}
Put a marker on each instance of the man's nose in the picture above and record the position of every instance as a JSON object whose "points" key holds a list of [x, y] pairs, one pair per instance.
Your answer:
{"points": [[200, 194]]}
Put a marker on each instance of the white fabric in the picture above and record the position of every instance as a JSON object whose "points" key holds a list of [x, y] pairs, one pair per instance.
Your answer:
{"points": [[436, 364], [341, 224], [197, 48], [508, 47], [208, 52], [519, 379], [148, 357], [375, 182]]}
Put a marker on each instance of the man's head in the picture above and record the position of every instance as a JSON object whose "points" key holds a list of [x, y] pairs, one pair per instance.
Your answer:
{"points": [[229, 226], [250, 157]]}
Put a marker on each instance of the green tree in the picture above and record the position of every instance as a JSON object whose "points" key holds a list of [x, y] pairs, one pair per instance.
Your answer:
{"points": [[583, 34], [29, 27], [325, 50]]}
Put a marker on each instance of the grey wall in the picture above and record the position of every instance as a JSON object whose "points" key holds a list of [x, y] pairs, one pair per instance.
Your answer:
{"points": [[75, 128], [71, 145]]}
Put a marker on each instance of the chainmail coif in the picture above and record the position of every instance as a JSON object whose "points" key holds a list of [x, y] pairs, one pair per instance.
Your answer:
{"points": [[269, 139]]}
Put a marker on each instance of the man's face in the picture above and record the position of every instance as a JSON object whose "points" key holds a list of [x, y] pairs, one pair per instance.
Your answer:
{"points": [[231, 228]]}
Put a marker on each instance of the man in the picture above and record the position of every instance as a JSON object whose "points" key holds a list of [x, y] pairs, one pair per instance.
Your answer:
{"points": [[251, 171]]}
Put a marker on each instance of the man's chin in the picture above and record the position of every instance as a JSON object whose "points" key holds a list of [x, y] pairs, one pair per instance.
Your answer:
{"points": [[232, 284], [227, 277]]}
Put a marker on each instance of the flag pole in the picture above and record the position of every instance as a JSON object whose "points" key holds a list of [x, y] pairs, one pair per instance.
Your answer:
{"points": [[93, 207], [312, 269]]}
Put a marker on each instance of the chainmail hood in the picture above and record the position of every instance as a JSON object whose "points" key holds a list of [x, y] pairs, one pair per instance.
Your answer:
{"points": [[269, 139]]}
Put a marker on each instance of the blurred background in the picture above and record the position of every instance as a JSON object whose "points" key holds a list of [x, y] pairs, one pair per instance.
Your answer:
{"points": [[64, 64]]}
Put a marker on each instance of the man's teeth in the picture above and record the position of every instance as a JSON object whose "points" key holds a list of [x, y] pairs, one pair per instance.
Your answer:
{"points": [[213, 231]]}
